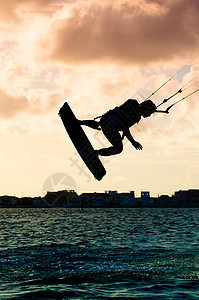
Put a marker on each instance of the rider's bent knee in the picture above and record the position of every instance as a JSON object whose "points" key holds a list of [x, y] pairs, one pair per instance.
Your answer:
{"points": [[118, 148]]}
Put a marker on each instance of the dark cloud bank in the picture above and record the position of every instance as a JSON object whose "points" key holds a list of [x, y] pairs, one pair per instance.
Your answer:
{"points": [[127, 34]]}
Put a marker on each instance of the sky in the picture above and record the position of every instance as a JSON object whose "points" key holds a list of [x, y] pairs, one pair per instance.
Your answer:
{"points": [[95, 55]]}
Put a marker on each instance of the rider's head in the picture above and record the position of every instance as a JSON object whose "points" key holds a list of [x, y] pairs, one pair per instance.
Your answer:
{"points": [[147, 108]]}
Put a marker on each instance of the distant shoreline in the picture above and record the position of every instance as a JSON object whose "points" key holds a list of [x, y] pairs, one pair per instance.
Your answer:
{"points": [[110, 199]]}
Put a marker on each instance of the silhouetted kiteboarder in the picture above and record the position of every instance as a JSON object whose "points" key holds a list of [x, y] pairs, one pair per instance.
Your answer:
{"points": [[120, 119], [112, 123]]}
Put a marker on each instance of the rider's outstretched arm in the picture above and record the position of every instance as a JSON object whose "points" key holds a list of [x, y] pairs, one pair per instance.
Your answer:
{"points": [[135, 144]]}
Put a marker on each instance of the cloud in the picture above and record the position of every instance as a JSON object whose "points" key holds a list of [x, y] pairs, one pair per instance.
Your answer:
{"points": [[11, 106], [12, 10], [131, 33], [41, 102]]}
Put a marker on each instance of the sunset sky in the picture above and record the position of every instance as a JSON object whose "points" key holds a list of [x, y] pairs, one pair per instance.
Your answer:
{"points": [[95, 55]]}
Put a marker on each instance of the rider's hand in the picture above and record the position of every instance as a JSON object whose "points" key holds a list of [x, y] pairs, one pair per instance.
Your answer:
{"points": [[137, 145]]}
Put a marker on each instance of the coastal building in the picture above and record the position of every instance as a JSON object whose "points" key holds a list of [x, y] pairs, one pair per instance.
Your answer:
{"points": [[91, 199], [127, 199], [108, 199], [166, 201], [63, 198], [146, 200], [189, 198], [9, 201]]}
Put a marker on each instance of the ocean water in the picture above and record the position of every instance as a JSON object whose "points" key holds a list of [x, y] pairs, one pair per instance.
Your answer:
{"points": [[138, 253]]}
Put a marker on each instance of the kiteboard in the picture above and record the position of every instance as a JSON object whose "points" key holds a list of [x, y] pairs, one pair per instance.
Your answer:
{"points": [[81, 142]]}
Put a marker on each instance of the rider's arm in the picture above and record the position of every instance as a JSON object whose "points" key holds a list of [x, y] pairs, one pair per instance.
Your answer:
{"points": [[127, 133]]}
